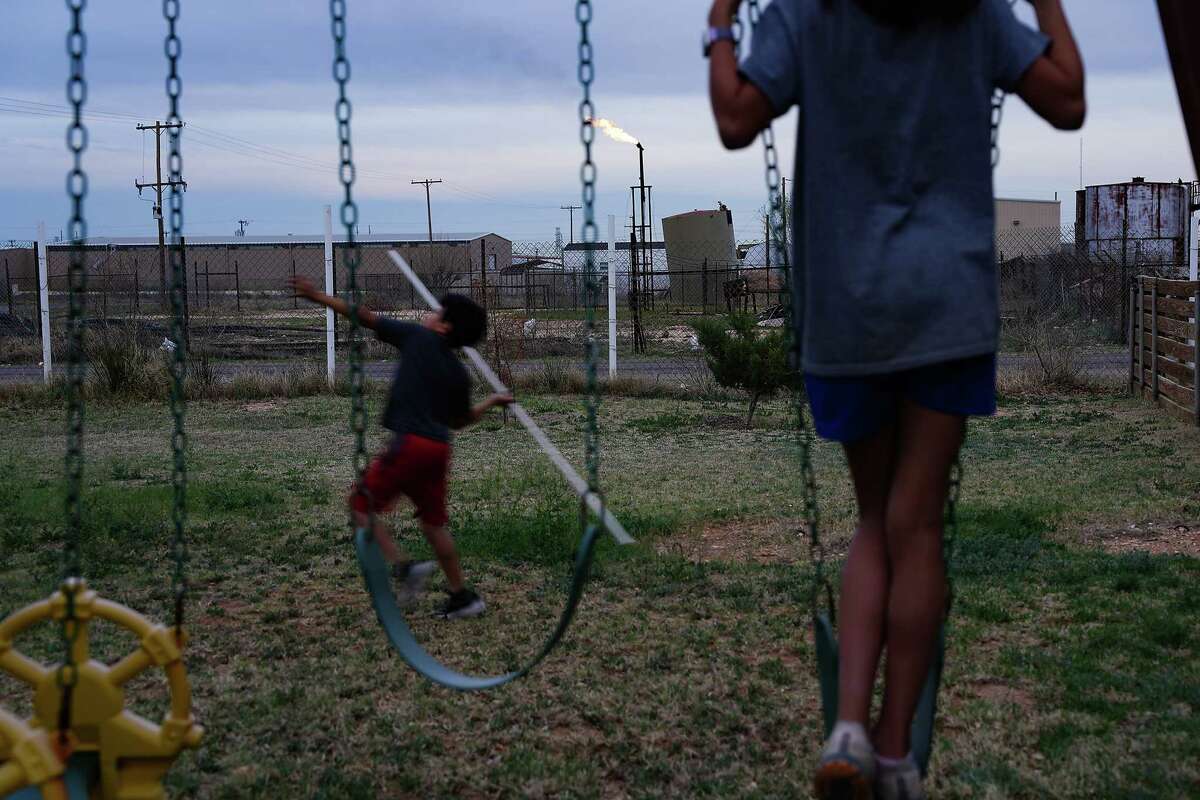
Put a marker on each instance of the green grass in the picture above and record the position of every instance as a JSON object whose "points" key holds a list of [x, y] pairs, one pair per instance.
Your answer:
{"points": [[1072, 670]]}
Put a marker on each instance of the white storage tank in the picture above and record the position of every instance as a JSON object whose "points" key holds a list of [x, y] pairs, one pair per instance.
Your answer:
{"points": [[1139, 225]]}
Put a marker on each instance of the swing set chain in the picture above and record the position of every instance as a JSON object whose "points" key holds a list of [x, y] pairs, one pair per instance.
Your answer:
{"points": [[950, 531], [179, 478], [587, 174], [349, 217], [778, 220], [997, 118], [77, 186], [998, 97]]}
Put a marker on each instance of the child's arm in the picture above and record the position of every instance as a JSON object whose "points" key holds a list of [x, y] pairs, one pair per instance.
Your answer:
{"points": [[741, 109], [477, 413], [1053, 86], [305, 288]]}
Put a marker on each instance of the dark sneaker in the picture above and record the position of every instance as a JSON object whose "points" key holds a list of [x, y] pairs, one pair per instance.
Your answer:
{"points": [[411, 577], [461, 605]]}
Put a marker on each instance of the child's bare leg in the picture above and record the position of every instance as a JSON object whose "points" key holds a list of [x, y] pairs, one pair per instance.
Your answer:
{"points": [[447, 554], [382, 535], [927, 446], [864, 592]]}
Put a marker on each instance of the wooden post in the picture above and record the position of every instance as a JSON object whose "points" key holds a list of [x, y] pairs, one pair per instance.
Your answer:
{"points": [[1154, 337], [1135, 334], [1196, 353], [1142, 334]]}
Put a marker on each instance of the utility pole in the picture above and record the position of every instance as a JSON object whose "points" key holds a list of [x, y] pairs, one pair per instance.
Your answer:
{"points": [[572, 209], [428, 213], [158, 186], [429, 209]]}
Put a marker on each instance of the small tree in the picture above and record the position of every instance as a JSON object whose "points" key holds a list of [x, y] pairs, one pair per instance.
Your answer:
{"points": [[744, 356]]}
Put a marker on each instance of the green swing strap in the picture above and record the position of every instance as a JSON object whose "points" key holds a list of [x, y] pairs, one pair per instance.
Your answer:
{"points": [[82, 773], [379, 584], [371, 562]]}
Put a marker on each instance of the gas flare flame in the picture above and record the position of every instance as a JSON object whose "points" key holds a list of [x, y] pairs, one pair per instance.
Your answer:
{"points": [[612, 131]]}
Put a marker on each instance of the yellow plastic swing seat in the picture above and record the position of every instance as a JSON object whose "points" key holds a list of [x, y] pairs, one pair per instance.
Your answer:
{"points": [[132, 754]]}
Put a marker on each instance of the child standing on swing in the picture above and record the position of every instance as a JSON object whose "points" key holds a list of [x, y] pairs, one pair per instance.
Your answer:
{"points": [[896, 290], [429, 398]]}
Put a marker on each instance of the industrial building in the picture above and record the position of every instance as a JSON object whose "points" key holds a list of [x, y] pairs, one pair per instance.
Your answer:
{"points": [[1027, 228], [224, 270]]}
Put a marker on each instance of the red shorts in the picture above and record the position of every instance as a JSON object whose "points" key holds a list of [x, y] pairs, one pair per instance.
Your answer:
{"points": [[412, 466]]}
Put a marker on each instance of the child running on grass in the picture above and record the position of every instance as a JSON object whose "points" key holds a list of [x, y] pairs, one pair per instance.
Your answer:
{"points": [[430, 395], [897, 292]]}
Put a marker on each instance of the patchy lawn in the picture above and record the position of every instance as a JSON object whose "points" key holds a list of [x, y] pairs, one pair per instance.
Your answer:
{"points": [[1072, 671]]}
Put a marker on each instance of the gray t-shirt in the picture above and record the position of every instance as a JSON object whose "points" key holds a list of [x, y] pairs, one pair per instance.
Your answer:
{"points": [[893, 239], [431, 392]]}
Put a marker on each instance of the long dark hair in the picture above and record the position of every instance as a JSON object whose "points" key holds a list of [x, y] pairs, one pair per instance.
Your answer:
{"points": [[905, 13]]}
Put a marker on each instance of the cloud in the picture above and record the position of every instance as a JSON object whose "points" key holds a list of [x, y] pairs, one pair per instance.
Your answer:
{"points": [[485, 96]]}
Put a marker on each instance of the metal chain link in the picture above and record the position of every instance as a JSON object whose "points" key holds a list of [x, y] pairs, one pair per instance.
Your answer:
{"points": [[997, 118], [179, 476], [950, 532], [587, 175], [777, 219], [77, 186], [349, 217]]}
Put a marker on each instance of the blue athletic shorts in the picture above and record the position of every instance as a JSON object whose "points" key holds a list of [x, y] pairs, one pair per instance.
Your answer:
{"points": [[850, 409]]}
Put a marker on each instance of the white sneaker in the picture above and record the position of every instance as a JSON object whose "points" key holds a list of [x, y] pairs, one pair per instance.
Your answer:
{"points": [[847, 767], [411, 577], [900, 782]]}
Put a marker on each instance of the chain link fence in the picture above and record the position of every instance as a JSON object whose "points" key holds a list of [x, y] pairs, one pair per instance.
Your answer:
{"points": [[1063, 302]]}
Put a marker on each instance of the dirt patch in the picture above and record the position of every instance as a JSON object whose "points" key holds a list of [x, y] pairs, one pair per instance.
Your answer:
{"points": [[740, 541], [723, 422], [1155, 538], [1004, 695]]}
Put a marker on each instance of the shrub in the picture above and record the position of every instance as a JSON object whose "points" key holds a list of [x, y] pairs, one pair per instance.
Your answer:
{"points": [[123, 364], [743, 356]]}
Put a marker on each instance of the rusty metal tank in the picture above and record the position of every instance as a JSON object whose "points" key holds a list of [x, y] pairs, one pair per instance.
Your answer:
{"points": [[1139, 225]]}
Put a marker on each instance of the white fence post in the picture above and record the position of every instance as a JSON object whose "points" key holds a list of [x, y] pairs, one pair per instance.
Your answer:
{"points": [[44, 297], [612, 296], [330, 329]]}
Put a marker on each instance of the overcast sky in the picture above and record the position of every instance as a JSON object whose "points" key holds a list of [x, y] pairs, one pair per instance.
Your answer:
{"points": [[482, 95]]}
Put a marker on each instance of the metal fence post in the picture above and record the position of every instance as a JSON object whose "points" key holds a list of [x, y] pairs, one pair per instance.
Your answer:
{"points": [[612, 296], [483, 267], [44, 301], [330, 289]]}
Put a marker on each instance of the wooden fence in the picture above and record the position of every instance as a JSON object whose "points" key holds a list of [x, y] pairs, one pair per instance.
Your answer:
{"points": [[1164, 337]]}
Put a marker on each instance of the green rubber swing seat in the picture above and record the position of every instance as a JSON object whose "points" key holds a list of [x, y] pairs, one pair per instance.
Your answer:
{"points": [[923, 721], [377, 575], [83, 772]]}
